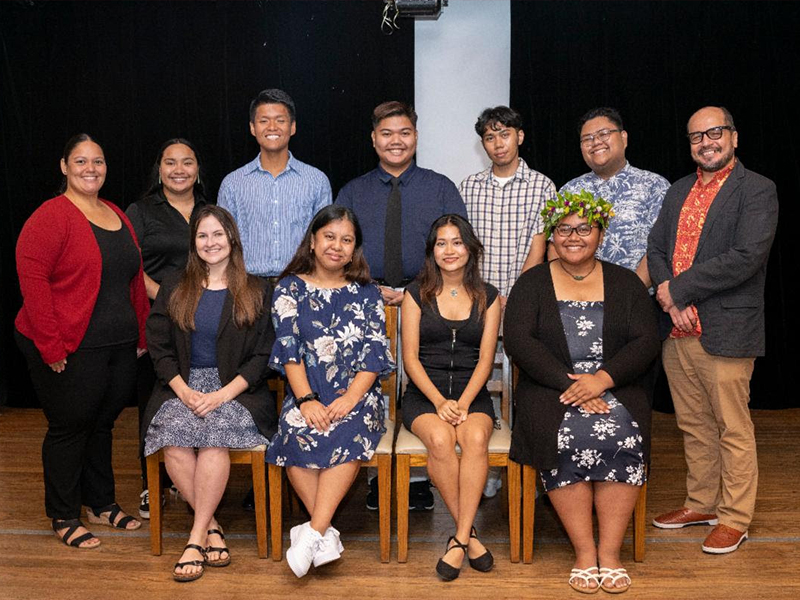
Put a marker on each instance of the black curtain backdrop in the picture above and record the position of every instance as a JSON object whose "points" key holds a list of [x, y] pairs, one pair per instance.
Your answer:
{"points": [[137, 73], [658, 62]]}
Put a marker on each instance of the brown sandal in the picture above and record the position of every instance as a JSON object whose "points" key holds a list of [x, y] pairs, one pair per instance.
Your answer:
{"points": [[220, 562]]}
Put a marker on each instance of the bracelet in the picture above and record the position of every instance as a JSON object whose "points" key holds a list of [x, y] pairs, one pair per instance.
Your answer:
{"points": [[306, 398]]}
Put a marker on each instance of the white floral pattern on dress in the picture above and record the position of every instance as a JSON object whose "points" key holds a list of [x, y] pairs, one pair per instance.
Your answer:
{"points": [[594, 447]]}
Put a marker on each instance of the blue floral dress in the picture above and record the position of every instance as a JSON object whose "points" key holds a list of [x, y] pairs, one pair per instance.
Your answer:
{"points": [[336, 333], [593, 447]]}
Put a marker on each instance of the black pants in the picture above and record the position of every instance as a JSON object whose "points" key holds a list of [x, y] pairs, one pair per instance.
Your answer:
{"points": [[81, 404]]}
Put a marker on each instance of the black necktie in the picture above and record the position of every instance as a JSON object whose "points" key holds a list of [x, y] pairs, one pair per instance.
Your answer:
{"points": [[392, 244]]}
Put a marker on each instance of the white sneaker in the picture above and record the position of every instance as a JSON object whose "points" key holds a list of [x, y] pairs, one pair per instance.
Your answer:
{"points": [[493, 484], [330, 549], [305, 544]]}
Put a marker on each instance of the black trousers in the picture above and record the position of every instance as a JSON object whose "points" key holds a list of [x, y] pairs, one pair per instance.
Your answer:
{"points": [[81, 404]]}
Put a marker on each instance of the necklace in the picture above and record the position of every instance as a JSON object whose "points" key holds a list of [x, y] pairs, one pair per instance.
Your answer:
{"points": [[454, 292], [578, 277]]}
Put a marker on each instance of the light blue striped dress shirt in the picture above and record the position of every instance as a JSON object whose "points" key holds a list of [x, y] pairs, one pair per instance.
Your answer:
{"points": [[272, 213]]}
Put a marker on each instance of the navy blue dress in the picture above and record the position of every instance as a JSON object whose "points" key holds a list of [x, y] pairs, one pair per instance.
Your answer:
{"points": [[336, 333], [593, 447]]}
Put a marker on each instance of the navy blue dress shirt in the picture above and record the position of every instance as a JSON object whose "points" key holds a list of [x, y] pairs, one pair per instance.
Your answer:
{"points": [[426, 196]]}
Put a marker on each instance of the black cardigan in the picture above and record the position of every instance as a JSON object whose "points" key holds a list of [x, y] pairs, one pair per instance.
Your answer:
{"points": [[533, 336], [242, 352]]}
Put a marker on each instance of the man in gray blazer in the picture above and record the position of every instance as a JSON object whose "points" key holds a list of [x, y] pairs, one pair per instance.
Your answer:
{"points": [[707, 254]]}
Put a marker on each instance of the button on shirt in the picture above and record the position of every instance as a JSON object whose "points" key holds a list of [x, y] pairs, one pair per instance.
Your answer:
{"points": [[637, 196], [426, 196], [272, 213], [505, 218]]}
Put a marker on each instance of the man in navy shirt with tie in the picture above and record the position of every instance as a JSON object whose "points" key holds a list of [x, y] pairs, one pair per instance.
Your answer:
{"points": [[397, 202]]}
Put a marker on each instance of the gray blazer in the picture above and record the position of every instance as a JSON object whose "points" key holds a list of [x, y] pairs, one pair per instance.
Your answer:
{"points": [[726, 280]]}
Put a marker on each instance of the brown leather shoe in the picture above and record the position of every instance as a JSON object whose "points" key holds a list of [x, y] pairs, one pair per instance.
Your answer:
{"points": [[723, 539], [682, 517]]}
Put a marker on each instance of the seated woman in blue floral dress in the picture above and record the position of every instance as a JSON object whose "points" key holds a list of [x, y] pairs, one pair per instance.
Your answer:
{"points": [[210, 335], [583, 333], [331, 344]]}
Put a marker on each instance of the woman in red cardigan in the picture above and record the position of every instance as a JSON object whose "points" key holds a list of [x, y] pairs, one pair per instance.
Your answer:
{"points": [[81, 322]]}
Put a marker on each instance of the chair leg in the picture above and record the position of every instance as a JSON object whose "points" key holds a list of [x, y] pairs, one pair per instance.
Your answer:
{"points": [[403, 475], [154, 489], [385, 504], [260, 493], [528, 511], [639, 525], [514, 473], [276, 510]]}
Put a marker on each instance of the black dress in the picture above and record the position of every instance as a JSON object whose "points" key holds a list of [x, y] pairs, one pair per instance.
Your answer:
{"points": [[449, 351]]}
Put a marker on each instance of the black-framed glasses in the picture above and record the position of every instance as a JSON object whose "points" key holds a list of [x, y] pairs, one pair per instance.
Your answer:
{"points": [[600, 136], [582, 230], [695, 137]]}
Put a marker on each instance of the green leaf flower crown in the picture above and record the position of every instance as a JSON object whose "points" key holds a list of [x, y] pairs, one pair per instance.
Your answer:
{"points": [[583, 204]]}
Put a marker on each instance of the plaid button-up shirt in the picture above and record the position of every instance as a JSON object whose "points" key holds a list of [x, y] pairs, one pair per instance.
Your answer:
{"points": [[506, 218]]}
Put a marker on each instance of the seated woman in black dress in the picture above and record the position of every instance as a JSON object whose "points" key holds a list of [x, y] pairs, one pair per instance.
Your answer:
{"points": [[583, 333], [210, 337], [449, 332]]}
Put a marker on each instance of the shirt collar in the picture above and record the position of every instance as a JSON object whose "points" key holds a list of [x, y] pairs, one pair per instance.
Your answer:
{"points": [[719, 176], [523, 172], [405, 177], [622, 174], [255, 165]]}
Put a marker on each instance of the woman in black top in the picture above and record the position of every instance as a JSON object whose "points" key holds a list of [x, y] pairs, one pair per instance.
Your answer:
{"points": [[161, 218], [161, 221], [449, 332]]}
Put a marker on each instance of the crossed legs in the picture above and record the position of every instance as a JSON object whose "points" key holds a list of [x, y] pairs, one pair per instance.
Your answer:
{"points": [[321, 490], [461, 489], [201, 479], [614, 503]]}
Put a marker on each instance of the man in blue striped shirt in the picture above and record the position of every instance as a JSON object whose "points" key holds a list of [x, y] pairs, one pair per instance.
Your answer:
{"points": [[273, 197]]}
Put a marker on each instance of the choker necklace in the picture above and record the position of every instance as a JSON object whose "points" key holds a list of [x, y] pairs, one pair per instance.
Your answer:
{"points": [[577, 277]]}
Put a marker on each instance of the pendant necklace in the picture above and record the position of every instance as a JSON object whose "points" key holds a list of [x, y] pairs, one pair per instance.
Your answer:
{"points": [[578, 277]]}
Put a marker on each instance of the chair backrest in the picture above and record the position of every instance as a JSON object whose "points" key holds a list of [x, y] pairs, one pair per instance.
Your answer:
{"points": [[500, 383], [389, 384]]}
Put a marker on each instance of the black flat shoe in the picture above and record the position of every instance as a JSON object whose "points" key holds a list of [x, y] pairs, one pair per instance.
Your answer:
{"points": [[449, 572], [485, 561]]}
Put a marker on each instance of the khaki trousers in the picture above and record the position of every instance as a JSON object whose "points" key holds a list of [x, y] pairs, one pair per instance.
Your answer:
{"points": [[711, 394]]}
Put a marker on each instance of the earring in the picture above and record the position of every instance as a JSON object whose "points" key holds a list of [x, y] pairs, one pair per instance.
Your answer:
{"points": [[159, 179]]}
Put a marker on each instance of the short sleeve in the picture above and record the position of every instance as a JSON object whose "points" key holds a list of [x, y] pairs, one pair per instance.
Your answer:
{"points": [[287, 347], [375, 356], [491, 294]]}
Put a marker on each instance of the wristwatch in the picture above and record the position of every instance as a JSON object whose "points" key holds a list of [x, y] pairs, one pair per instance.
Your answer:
{"points": [[306, 398]]}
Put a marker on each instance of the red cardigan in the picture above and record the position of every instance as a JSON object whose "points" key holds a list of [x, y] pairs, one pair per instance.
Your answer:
{"points": [[59, 267]]}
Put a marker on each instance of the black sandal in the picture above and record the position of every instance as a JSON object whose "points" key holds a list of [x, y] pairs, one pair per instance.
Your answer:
{"points": [[485, 561], [220, 562], [94, 515], [181, 577], [449, 572], [72, 525]]}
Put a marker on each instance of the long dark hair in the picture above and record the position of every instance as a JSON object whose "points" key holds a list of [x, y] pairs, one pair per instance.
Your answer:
{"points": [[154, 185], [76, 139], [430, 277], [245, 290], [302, 262]]}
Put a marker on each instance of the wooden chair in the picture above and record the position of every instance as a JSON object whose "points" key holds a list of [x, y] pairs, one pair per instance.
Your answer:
{"points": [[382, 459], [529, 478], [411, 452], [255, 457]]}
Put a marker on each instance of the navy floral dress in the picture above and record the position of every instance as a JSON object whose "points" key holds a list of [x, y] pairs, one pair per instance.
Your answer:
{"points": [[337, 333], [593, 447]]}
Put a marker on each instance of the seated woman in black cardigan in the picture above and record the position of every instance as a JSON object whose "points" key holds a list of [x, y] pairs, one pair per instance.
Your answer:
{"points": [[210, 336], [584, 335]]}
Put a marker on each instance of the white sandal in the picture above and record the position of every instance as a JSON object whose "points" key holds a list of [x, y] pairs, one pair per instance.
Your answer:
{"points": [[614, 575], [586, 576]]}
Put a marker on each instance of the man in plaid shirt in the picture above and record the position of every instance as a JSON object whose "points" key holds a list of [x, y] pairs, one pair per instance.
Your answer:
{"points": [[504, 201]]}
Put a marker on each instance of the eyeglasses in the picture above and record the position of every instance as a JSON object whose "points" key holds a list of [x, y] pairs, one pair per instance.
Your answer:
{"points": [[695, 137], [600, 136], [582, 230]]}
